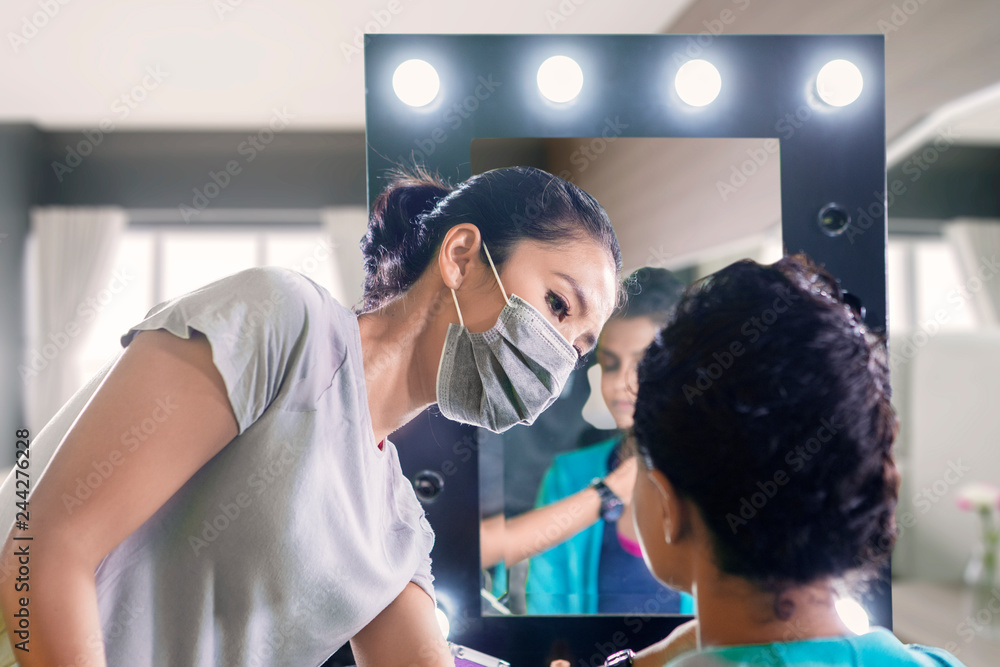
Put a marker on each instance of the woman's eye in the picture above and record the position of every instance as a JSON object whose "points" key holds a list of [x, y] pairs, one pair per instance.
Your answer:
{"points": [[558, 306]]}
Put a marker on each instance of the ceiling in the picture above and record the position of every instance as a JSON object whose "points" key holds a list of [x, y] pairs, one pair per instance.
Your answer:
{"points": [[229, 64]]}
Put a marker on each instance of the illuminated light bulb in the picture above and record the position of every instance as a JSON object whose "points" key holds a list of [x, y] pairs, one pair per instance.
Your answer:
{"points": [[839, 83], [853, 615], [416, 82], [443, 622], [560, 79], [698, 82]]}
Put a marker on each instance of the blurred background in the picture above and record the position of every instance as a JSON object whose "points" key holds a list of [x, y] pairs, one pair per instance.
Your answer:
{"points": [[147, 148]]}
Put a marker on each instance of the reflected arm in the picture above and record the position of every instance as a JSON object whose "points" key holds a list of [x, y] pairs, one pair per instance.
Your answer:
{"points": [[542, 528]]}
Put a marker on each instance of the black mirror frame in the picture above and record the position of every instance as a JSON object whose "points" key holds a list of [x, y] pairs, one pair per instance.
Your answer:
{"points": [[829, 156]]}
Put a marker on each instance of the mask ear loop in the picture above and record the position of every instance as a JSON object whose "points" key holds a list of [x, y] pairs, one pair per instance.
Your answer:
{"points": [[461, 322], [495, 274]]}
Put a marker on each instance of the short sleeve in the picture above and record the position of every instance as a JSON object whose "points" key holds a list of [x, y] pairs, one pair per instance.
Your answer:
{"points": [[423, 577], [253, 320]]}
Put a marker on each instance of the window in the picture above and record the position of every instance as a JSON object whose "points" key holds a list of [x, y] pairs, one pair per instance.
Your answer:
{"points": [[155, 264], [926, 284]]}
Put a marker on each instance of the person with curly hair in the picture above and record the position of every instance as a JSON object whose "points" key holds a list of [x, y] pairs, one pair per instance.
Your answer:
{"points": [[767, 486]]}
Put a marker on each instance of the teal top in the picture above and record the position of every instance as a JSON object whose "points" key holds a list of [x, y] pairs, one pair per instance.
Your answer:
{"points": [[878, 647], [564, 579]]}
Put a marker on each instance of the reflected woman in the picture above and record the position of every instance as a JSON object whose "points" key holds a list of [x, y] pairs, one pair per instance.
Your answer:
{"points": [[266, 519], [600, 568]]}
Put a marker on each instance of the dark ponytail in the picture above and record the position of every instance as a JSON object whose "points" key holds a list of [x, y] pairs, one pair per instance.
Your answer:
{"points": [[411, 216], [396, 233]]}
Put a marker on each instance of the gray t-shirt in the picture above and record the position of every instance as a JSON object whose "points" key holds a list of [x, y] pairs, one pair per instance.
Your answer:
{"points": [[300, 530]]}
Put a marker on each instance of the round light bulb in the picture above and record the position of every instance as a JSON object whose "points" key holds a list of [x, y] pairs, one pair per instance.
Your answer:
{"points": [[839, 83], [698, 82], [416, 82], [853, 615], [560, 79], [443, 622]]}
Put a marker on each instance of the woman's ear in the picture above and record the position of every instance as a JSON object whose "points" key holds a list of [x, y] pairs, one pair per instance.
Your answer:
{"points": [[459, 247], [674, 510]]}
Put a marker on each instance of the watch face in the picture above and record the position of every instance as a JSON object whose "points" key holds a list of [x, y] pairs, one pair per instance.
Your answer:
{"points": [[613, 510], [620, 659]]}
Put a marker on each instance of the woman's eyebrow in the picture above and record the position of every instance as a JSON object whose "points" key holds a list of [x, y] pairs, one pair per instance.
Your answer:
{"points": [[581, 299]]}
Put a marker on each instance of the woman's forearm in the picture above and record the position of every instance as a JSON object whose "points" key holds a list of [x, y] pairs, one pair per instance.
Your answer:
{"points": [[61, 624], [540, 529]]}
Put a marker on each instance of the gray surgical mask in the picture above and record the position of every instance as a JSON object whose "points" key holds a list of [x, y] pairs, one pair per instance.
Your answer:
{"points": [[505, 376]]}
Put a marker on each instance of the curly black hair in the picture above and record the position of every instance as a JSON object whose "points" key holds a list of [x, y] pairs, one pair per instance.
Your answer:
{"points": [[766, 402]]}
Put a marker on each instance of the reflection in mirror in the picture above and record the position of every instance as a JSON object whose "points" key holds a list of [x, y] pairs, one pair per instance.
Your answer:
{"points": [[552, 541]]}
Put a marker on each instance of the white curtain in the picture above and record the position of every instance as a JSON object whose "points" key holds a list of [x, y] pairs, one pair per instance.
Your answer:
{"points": [[70, 271], [344, 226], [978, 247]]}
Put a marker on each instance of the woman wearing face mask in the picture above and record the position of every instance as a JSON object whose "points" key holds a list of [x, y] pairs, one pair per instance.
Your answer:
{"points": [[597, 567], [263, 518]]}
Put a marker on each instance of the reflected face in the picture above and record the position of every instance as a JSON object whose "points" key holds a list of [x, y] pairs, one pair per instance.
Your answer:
{"points": [[621, 346], [571, 284]]}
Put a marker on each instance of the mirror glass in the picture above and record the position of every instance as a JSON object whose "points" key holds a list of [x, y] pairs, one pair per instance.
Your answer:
{"points": [[580, 563]]}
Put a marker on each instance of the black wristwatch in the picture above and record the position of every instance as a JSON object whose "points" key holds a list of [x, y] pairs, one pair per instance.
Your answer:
{"points": [[611, 505], [620, 659]]}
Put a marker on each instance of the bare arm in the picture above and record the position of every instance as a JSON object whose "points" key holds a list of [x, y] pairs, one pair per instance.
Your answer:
{"points": [[159, 376], [540, 529], [683, 639], [404, 634]]}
